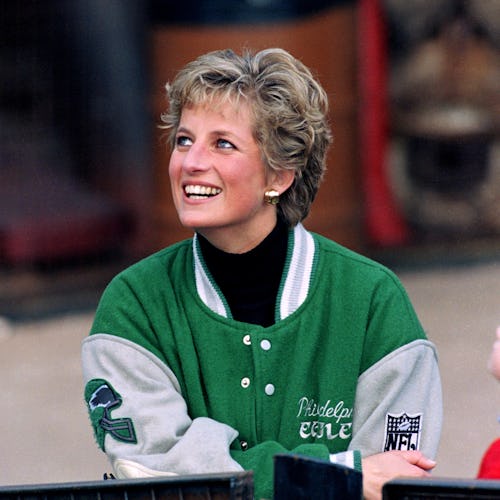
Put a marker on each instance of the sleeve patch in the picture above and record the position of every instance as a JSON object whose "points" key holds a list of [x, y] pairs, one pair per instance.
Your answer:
{"points": [[101, 400], [402, 431]]}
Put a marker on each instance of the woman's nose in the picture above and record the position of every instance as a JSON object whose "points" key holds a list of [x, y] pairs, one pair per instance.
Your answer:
{"points": [[197, 158]]}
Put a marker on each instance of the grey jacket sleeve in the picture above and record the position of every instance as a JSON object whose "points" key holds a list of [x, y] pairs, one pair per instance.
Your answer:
{"points": [[142, 395], [398, 402]]}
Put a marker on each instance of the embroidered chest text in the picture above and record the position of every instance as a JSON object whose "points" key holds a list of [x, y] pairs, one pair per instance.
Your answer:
{"points": [[330, 420]]}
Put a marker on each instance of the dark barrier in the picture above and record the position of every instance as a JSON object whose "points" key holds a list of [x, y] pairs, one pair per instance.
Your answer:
{"points": [[233, 486], [441, 489], [303, 478]]}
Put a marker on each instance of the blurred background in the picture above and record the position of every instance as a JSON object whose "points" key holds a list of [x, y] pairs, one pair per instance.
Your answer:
{"points": [[413, 181], [414, 172]]}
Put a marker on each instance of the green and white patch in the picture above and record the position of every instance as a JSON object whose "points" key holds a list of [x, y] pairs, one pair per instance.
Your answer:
{"points": [[101, 400]]}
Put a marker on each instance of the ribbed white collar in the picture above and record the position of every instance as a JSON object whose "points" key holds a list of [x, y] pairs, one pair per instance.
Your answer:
{"points": [[294, 286]]}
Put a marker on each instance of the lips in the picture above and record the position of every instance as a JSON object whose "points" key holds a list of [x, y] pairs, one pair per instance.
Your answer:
{"points": [[197, 191]]}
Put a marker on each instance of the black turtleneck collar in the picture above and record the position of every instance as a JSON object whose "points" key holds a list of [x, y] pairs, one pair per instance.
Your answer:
{"points": [[250, 281]]}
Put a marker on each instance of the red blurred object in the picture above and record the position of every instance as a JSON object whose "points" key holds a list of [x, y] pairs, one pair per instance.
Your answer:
{"points": [[384, 224], [47, 216], [490, 463]]}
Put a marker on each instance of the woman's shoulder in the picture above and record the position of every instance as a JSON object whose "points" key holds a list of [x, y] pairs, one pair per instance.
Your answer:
{"points": [[349, 257], [348, 266]]}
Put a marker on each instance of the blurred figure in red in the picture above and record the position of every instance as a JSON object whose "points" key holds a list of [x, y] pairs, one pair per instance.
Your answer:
{"points": [[490, 463]]}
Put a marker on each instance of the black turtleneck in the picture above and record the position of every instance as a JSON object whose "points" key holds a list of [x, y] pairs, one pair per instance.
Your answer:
{"points": [[250, 281]]}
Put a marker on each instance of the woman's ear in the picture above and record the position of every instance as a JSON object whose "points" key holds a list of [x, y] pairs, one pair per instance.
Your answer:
{"points": [[282, 180]]}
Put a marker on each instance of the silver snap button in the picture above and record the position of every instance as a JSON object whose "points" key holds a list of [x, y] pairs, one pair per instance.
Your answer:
{"points": [[244, 445], [269, 389], [245, 382], [247, 339], [265, 345]]}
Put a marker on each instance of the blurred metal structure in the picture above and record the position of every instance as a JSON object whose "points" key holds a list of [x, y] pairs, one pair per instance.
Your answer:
{"points": [[69, 176], [441, 489], [445, 115], [235, 486]]}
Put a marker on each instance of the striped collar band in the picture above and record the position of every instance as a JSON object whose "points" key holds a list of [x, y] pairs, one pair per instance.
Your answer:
{"points": [[295, 283]]}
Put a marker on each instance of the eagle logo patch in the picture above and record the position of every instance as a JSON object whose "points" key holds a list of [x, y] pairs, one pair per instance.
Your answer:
{"points": [[101, 400], [402, 431]]}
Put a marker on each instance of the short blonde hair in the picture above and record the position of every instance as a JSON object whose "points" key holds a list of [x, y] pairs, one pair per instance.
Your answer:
{"points": [[289, 107]]}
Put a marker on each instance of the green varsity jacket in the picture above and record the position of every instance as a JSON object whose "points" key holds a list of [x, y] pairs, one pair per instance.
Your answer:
{"points": [[175, 384]]}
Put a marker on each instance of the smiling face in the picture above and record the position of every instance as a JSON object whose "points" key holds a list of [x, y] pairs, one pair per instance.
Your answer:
{"points": [[218, 178]]}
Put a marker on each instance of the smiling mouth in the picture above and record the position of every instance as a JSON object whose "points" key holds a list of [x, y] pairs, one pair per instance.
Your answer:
{"points": [[197, 192]]}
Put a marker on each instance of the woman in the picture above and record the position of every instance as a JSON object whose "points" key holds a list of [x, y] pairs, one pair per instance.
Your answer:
{"points": [[257, 337]]}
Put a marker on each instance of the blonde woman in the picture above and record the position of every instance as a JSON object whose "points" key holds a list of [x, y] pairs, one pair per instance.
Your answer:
{"points": [[256, 336]]}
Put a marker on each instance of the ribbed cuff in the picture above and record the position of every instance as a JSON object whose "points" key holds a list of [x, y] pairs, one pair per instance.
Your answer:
{"points": [[351, 459]]}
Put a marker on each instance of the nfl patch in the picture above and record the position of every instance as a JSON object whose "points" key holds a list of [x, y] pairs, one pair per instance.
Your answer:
{"points": [[402, 431]]}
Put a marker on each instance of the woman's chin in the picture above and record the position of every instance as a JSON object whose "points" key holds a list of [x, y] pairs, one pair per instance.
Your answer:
{"points": [[194, 224]]}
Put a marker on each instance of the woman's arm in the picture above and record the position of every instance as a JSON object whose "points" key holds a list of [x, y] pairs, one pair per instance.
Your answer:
{"points": [[398, 403], [398, 416], [138, 413]]}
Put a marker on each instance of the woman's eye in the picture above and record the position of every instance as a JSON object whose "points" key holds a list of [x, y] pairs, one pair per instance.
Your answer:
{"points": [[223, 144], [182, 140]]}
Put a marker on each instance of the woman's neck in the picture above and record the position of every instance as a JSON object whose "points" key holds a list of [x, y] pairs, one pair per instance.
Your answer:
{"points": [[241, 239]]}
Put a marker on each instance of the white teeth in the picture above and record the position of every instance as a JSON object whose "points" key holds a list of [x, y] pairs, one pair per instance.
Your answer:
{"points": [[201, 190]]}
